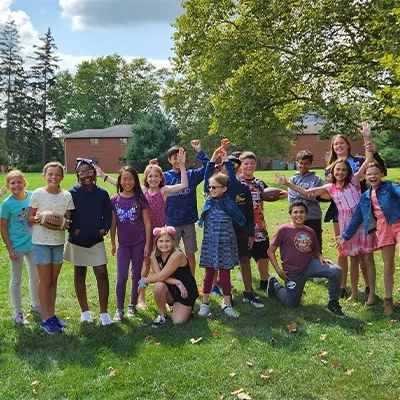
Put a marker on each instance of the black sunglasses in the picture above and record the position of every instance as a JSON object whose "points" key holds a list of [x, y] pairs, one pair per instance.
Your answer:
{"points": [[214, 187]]}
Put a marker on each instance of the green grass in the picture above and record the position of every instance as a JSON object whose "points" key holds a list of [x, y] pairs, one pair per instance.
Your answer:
{"points": [[163, 364]]}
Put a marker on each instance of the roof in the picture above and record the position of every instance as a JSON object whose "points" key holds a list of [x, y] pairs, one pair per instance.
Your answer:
{"points": [[311, 124], [117, 131]]}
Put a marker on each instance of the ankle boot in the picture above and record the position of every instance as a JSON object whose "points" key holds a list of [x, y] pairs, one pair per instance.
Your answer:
{"points": [[388, 306]]}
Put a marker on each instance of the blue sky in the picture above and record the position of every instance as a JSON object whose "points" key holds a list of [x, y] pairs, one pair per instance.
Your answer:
{"points": [[89, 28]]}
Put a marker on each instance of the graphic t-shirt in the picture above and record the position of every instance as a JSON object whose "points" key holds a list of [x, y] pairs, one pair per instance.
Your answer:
{"points": [[16, 212], [297, 246]]}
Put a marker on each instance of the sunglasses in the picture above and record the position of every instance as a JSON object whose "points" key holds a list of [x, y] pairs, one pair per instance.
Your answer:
{"points": [[215, 187]]}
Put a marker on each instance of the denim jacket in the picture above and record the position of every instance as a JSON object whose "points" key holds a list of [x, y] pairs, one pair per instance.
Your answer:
{"points": [[388, 196], [227, 205]]}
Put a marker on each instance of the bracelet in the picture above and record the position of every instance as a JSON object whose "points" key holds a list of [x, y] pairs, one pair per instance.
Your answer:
{"points": [[105, 177], [141, 284], [178, 284]]}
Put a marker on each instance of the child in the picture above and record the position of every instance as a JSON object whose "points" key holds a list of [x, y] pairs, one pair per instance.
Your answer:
{"points": [[17, 236], [174, 283], [301, 259], [219, 248], [381, 203], [345, 192], [258, 249], [182, 206], [91, 221], [131, 218], [48, 245]]}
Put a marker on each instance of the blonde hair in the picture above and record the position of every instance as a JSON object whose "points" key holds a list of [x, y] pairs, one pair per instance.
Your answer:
{"points": [[53, 164], [147, 171], [220, 178], [15, 173], [163, 232]]}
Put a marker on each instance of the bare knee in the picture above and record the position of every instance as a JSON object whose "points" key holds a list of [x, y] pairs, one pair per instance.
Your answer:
{"points": [[159, 288]]}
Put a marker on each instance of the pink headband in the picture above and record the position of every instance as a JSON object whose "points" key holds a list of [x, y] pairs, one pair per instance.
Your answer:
{"points": [[169, 229]]}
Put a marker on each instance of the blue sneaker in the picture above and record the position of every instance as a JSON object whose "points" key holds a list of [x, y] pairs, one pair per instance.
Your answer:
{"points": [[49, 326], [59, 322], [216, 290]]}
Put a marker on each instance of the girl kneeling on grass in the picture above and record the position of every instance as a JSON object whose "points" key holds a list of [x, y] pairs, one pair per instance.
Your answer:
{"points": [[174, 282]]}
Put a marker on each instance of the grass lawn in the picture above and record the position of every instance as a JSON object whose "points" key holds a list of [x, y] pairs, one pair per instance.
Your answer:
{"points": [[325, 358]]}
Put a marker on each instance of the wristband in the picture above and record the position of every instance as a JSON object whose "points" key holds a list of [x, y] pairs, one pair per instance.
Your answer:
{"points": [[105, 177], [178, 284], [141, 284]]}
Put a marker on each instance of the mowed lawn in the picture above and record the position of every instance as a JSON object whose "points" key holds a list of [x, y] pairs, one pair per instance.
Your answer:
{"points": [[319, 357]]}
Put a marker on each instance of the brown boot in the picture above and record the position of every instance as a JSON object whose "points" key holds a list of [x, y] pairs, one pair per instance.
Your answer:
{"points": [[388, 306]]}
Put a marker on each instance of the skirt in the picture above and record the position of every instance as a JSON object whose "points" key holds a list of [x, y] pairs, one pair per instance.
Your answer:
{"points": [[85, 256]]}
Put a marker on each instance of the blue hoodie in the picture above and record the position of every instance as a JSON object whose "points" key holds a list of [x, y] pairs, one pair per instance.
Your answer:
{"points": [[182, 206]]}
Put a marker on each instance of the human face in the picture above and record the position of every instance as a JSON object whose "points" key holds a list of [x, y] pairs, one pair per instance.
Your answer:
{"points": [[304, 166], [298, 215], [17, 186], [173, 160], [248, 167], [165, 244], [340, 172], [86, 175], [53, 177], [374, 176], [154, 179], [127, 182], [341, 148], [215, 188]]}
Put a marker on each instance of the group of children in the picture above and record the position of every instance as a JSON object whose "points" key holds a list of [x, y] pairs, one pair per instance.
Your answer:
{"points": [[149, 221]]}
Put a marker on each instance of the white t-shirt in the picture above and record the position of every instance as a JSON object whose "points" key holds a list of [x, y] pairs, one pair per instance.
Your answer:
{"points": [[44, 201]]}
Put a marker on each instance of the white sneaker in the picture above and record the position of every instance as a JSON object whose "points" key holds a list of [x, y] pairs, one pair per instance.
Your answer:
{"points": [[105, 319], [86, 317], [20, 319], [204, 310], [229, 312]]}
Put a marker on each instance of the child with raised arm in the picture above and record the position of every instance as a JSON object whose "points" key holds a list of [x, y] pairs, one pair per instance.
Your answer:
{"points": [[17, 236], [48, 245], [379, 206]]}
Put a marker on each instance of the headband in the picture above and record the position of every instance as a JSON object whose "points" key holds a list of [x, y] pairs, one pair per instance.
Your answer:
{"points": [[169, 229], [80, 161]]}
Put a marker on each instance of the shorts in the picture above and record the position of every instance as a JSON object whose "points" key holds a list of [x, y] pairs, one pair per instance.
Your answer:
{"points": [[388, 234], [188, 234], [258, 251], [243, 246], [316, 226], [48, 254]]}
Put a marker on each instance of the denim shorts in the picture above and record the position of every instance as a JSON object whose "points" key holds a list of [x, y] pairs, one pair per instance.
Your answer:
{"points": [[46, 254]]}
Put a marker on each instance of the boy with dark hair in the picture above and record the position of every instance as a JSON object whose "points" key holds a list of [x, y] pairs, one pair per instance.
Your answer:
{"points": [[181, 207], [301, 259]]}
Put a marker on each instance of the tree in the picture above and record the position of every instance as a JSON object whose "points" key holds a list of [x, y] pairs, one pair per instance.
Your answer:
{"points": [[153, 135], [3, 148]]}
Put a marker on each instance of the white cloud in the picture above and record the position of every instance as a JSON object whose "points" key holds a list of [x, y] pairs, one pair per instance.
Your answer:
{"points": [[116, 13]]}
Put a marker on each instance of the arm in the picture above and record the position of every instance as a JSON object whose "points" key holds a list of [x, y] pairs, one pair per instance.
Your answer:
{"points": [[272, 257], [33, 216], [395, 188], [355, 222], [107, 215], [99, 172], [147, 227], [6, 239], [162, 275], [198, 174], [314, 192], [169, 189], [113, 229]]}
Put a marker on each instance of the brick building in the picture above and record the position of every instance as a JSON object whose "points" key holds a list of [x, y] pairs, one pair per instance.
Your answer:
{"points": [[106, 147]]}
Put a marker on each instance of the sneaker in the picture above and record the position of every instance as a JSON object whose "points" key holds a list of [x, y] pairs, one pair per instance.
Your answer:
{"points": [[252, 299], [335, 308], [105, 319], [49, 326], [19, 318], [216, 290], [271, 286], [118, 315], [131, 311], [36, 310], [86, 317], [229, 312], [204, 310], [343, 293], [161, 320], [59, 322]]}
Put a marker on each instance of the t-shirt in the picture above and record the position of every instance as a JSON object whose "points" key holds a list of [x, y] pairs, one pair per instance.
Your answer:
{"points": [[44, 201], [129, 214], [297, 246], [19, 231]]}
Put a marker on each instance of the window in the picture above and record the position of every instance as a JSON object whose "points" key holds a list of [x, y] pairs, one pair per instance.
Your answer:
{"points": [[96, 161], [122, 140], [94, 141], [122, 160]]}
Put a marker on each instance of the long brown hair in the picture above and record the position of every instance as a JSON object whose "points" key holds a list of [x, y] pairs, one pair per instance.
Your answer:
{"points": [[332, 154], [137, 189], [347, 180]]}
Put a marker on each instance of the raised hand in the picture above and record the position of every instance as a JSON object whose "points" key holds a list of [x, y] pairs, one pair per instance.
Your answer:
{"points": [[365, 130], [196, 145], [281, 179], [225, 143], [181, 156]]}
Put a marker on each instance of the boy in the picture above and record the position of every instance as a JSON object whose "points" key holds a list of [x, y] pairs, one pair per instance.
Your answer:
{"points": [[181, 208], [301, 259], [258, 245]]}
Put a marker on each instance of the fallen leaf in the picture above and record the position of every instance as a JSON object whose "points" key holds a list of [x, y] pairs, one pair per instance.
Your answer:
{"points": [[273, 340], [348, 371], [236, 392], [392, 321], [34, 391], [35, 383], [249, 363], [195, 341], [127, 363], [215, 334], [112, 371], [369, 354], [221, 396], [369, 323], [323, 337], [157, 343], [324, 361], [243, 396], [272, 371], [232, 374], [265, 377], [322, 353], [292, 327], [336, 364]]}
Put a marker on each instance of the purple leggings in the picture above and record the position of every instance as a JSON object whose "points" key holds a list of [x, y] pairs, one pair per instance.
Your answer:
{"points": [[125, 255], [224, 280]]}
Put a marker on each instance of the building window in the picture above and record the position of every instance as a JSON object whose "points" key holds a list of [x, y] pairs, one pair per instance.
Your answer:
{"points": [[122, 160], [123, 140], [96, 161], [94, 141]]}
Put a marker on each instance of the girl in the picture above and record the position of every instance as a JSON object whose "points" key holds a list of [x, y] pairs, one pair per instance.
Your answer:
{"points": [[174, 282], [341, 148], [131, 217], [17, 236], [219, 250], [48, 245], [344, 188], [91, 221], [380, 202]]}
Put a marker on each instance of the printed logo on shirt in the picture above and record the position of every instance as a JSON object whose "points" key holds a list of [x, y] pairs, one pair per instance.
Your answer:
{"points": [[240, 198], [22, 218], [183, 192], [126, 215], [303, 242]]}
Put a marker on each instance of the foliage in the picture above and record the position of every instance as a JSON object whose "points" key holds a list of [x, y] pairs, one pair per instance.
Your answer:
{"points": [[3, 148]]}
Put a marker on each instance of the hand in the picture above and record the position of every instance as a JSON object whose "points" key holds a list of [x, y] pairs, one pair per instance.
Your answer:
{"points": [[216, 157], [339, 241], [283, 194], [102, 232], [153, 161], [181, 157], [365, 129], [142, 283], [99, 171], [324, 260], [225, 143], [147, 251], [281, 179], [196, 145], [183, 290], [13, 255], [250, 242], [76, 232], [37, 218], [66, 225], [282, 274], [3, 191], [113, 249]]}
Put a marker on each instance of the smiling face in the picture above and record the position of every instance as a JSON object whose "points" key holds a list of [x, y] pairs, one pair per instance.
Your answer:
{"points": [[154, 179], [16, 185], [341, 147], [298, 215], [173, 160], [53, 177], [215, 188], [127, 182], [374, 176], [248, 167], [340, 172], [86, 175], [304, 166], [165, 243]]}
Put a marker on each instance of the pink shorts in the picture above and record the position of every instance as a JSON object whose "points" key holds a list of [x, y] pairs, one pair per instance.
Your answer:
{"points": [[388, 234]]}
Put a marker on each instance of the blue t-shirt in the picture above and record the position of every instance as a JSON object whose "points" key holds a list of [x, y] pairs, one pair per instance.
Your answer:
{"points": [[16, 212]]}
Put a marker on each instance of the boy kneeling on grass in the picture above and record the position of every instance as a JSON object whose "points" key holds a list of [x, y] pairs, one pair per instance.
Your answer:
{"points": [[301, 259]]}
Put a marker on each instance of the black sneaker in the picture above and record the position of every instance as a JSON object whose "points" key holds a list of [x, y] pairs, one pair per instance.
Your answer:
{"points": [[252, 299], [335, 309], [343, 293], [271, 288]]}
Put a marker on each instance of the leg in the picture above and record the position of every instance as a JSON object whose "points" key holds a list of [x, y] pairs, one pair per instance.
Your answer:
{"points": [[262, 265], [354, 276], [190, 242], [388, 253], [103, 286], [137, 262], [225, 280], [15, 283], [207, 283], [33, 279], [162, 296], [246, 273], [44, 272], [142, 291], [123, 260], [180, 313], [342, 261], [368, 261], [80, 287], [290, 295], [55, 271]]}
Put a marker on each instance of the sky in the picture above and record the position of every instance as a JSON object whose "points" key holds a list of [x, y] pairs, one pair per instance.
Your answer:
{"points": [[83, 29]]}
